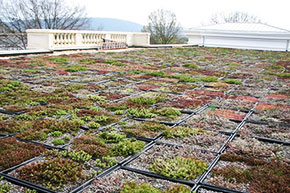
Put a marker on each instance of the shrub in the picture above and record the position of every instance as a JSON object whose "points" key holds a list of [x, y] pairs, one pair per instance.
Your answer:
{"points": [[179, 167], [128, 147]]}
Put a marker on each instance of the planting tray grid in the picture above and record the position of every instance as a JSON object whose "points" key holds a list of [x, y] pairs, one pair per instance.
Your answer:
{"points": [[131, 84]]}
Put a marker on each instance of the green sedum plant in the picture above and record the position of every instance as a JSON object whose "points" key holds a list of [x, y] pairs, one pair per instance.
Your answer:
{"points": [[182, 132], [4, 188], [128, 147], [53, 174], [141, 113], [74, 155], [146, 129], [233, 81], [58, 142], [190, 65], [111, 137], [76, 68], [105, 162], [56, 133], [168, 112], [209, 79], [179, 167], [134, 187]]}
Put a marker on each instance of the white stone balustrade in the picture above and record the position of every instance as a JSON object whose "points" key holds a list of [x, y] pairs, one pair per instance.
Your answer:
{"points": [[80, 39]]}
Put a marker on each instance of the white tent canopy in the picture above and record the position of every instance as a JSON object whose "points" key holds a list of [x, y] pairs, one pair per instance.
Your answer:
{"points": [[240, 35]]}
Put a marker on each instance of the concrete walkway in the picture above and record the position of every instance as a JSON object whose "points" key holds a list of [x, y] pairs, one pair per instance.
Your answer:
{"points": [[23, 52], [7, 53]]}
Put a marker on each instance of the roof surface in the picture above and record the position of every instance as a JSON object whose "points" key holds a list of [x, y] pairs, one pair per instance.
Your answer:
{"points": [[242, 27]]}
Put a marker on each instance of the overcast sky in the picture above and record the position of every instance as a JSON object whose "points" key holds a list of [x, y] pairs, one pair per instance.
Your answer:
{"points": [[190, 13]]}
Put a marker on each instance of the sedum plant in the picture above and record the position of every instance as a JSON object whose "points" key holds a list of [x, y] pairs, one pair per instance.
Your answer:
{"points": [[53, 174], [182, 132], [105, 162], [146, 129], [186, 168], [168, 112], [134, 187], [141, 113], [74, 155], [111, 137], [128, 147]]}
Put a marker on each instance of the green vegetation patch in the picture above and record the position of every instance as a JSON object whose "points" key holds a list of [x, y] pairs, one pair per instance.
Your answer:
{"points": [[182, 132], [53, 174], [76, 68], [134, 187], [232, 81], [168, 112], [209, 79], [179, 167], [147, 129], [190, 66]]}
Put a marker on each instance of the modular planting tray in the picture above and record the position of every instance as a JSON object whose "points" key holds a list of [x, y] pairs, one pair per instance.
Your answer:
{"points": [[156, 120]]}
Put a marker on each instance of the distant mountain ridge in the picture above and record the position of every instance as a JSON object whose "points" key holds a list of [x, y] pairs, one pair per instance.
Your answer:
{"points": [[111, 24]]}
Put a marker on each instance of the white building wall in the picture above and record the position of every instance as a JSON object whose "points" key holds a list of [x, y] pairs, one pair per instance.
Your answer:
{"points": [[195, 40], [240, 40], [245, 43]]}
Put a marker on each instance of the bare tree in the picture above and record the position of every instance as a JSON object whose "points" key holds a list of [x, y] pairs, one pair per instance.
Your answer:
{"points": [[18, 15], [163, 27], [234, 17]]}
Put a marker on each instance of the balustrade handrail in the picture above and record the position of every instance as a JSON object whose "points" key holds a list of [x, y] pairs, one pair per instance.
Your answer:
{"points": [[83, 39]]}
